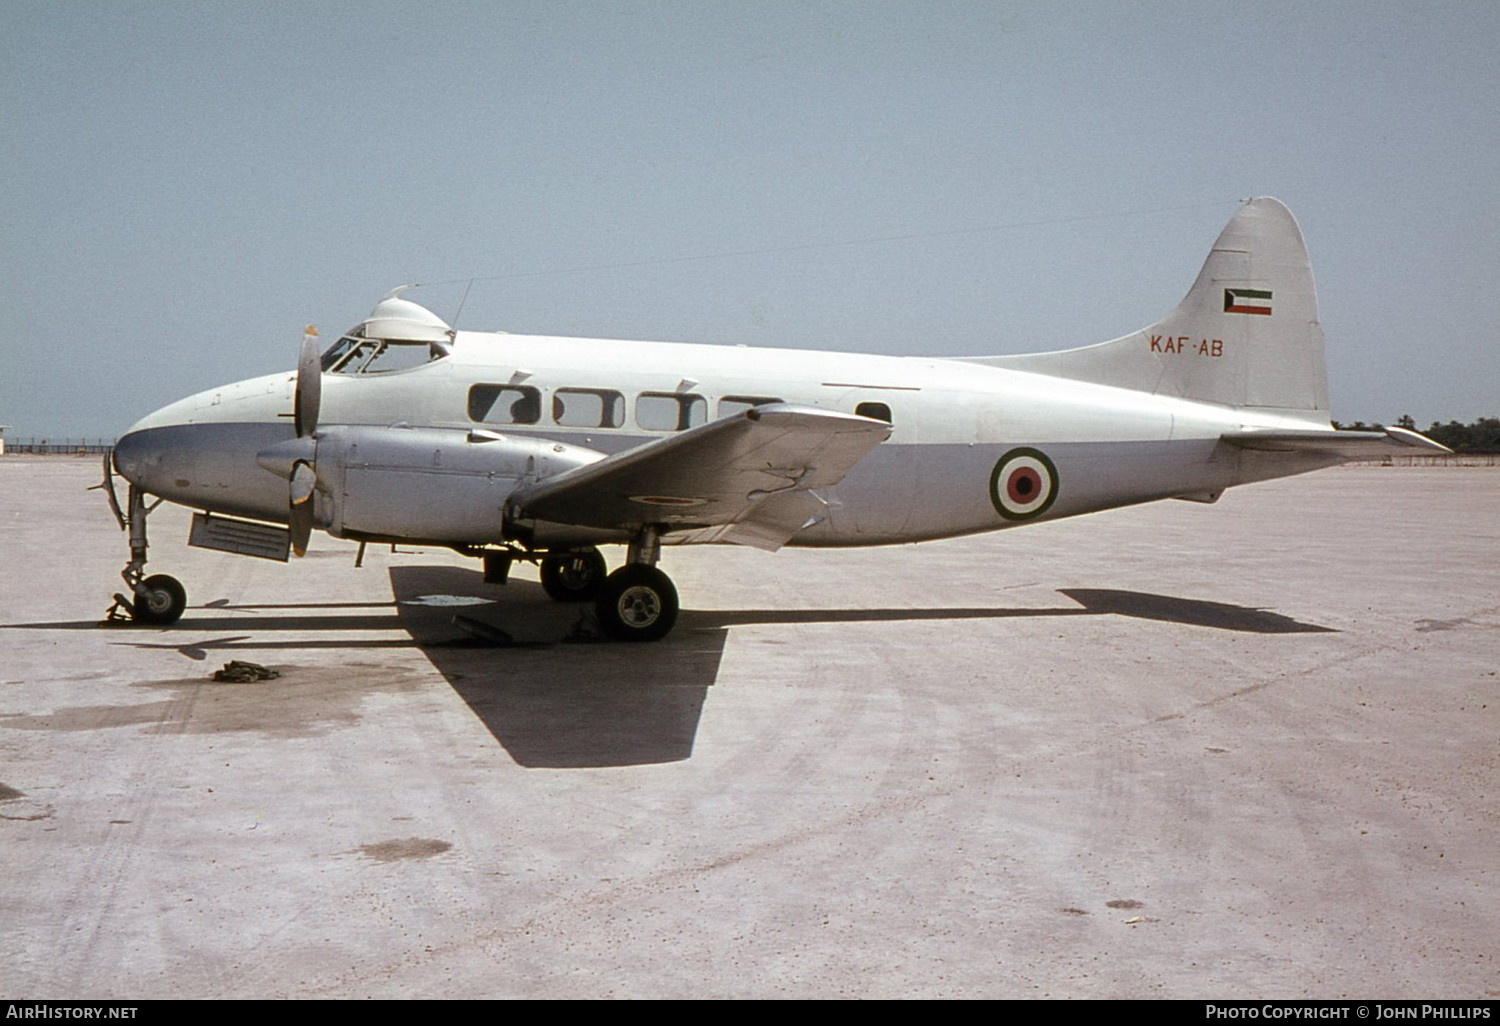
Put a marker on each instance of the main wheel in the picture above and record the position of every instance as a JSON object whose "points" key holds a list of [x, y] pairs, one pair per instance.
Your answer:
{"points": [[575, 577], [637, 603], [162, 603]]}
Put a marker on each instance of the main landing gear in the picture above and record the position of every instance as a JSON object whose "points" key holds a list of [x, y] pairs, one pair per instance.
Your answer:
{"points": [[638, 602], [154, 601], [635, 603], [574, 577]]}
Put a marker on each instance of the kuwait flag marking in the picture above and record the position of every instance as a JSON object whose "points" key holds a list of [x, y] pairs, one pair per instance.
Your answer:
{"points": [[1023, 484], [1250, 301]]}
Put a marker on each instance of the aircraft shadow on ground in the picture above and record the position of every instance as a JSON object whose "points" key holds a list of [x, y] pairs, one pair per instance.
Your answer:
{"points": [[553, 696], [1091, 602], [548, 701], [576, 705]]}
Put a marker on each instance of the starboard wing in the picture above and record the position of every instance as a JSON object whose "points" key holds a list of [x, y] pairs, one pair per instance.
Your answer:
{"points": [[748, 478]]}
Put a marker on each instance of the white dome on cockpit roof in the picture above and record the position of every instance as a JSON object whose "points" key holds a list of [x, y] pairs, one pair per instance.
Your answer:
{"points": [[402, 320]]}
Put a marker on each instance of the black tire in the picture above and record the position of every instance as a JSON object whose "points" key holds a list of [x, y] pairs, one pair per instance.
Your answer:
{"points": [[637, 603], [161, 604], [576, 577]]}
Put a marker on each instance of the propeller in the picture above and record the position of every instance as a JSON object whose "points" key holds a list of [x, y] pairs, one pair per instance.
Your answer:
{"points": [[309, 395], [304, 483], [304, 478]]}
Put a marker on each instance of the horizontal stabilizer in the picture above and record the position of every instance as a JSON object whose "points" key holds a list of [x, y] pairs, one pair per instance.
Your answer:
{"points": [[1351, 445]]}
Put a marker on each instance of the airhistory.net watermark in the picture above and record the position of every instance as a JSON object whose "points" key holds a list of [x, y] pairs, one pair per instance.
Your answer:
{"points": [[40, 1010]]}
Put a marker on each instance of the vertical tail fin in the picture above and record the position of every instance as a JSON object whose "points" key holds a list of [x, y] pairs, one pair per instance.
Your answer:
{"points": [[1246, 334]]}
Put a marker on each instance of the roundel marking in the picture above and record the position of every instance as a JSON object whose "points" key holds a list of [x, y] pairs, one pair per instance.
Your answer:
{"points": [[1023, 484], [667, 500]]}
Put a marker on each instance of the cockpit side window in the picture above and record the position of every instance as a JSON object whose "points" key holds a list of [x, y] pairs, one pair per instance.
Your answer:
{"points": [[354, 355], [338, 353], [394, 356]]}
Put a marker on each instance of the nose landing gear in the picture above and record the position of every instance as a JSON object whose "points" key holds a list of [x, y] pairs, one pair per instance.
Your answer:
{"points": [[153, 601], [159, 600]]}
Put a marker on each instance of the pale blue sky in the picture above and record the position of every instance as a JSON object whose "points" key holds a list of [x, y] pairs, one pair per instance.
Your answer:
{"points": [[189, 184]]}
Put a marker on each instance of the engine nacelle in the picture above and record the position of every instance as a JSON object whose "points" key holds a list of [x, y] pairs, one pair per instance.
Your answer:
{"points": [[428, 484]]}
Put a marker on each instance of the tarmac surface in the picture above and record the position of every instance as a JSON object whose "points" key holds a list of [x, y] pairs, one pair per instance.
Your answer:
{"points": [[1239, 751]]}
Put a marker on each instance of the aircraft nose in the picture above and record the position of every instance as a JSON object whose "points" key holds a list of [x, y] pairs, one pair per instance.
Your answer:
{"points": [[158, 460], [133, 457], [211, 466]]}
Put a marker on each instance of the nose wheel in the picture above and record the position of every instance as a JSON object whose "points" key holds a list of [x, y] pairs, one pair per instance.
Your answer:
{"points": [[154, 601], [159, 600]]}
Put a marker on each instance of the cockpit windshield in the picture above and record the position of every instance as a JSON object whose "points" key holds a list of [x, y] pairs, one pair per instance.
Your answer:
{"points": [[355, 355]]}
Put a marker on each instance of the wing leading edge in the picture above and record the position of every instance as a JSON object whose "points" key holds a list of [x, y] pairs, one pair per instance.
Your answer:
{"points": [[746, 479]]}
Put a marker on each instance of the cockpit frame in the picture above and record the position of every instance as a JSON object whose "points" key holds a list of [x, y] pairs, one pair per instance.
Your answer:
{"points": [[355, 354]]}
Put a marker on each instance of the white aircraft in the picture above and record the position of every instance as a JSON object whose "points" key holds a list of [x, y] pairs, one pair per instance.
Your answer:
{"points": [[536, 448]]}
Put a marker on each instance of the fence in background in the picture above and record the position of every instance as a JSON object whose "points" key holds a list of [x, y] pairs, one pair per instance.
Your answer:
{"points": [[1462, 459], [58, 446]]}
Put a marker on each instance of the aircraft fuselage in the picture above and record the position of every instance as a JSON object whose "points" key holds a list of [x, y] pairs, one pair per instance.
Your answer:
{"points": [[953, 424]]}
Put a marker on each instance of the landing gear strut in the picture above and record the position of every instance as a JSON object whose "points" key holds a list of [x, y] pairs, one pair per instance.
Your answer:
{"points": [[638, 602], [154, 601]]}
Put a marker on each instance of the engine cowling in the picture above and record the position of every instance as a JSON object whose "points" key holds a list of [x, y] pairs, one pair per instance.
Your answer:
{"points": [[423, 484]]}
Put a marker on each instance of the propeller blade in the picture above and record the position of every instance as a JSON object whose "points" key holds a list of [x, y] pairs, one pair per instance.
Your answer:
{"points": [[309, 394], [300, 520]]}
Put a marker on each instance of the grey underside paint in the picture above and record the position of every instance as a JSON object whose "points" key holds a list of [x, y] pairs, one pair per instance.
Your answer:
{"points": [[898, 493]]}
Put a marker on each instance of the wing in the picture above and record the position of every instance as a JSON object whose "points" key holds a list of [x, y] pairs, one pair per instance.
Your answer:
{"points": [[1348, 445], [746, 479]]}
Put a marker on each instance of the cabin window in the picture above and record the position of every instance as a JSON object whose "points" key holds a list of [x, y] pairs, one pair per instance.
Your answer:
{"points": [[670, 411], [588, 407], [875, 411], [505, 404], [731, 405]]}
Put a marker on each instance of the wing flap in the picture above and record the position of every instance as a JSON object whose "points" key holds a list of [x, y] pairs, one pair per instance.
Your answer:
{"points": [[768, 526], [742, 472]]}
